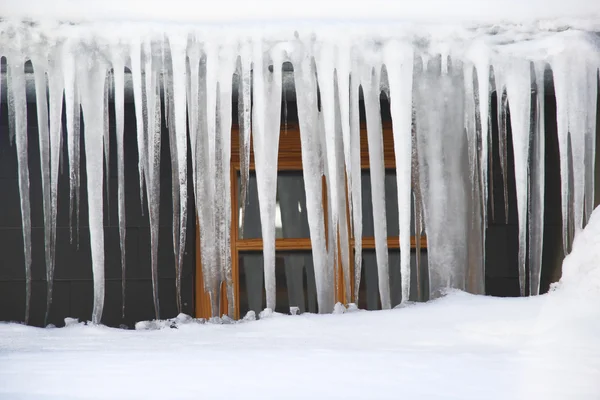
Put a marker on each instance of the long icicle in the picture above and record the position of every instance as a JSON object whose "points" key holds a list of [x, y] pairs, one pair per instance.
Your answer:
{"points": [[226, 67], [518, 89], [73, 113], [325, 76], [56, 89], [40, 67], [92, 77], [244, 123], [178, 57], [399, 63], [17, 104], [306, 97], [537, 177], [152, 169], [356, 193], [119, 99]]}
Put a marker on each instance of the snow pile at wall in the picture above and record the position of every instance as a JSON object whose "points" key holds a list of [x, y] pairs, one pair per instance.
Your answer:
{"points": [[439, 81], [581, 268]]}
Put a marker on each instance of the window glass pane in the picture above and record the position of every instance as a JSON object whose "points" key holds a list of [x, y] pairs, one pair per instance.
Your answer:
{"points": [[294, 277], [369, 298], [290, 218], [391, 205]]}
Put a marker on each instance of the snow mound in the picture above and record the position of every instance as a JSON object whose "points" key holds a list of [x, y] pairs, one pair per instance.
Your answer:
{"points": [[173, 323], [581, 268]]}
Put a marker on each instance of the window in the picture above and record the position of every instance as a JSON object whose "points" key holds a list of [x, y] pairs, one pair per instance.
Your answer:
{"points": [[294, 268]]}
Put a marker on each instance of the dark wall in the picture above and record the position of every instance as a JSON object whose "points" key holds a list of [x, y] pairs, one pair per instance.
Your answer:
{"points": [[502, 241], [73, 285]]}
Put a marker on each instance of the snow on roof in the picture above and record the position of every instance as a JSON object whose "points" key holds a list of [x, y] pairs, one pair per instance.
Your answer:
{"points": [[227, 11]]}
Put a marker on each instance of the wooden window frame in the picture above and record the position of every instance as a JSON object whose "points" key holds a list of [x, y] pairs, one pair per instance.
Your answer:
{"points": [[289, 159]]}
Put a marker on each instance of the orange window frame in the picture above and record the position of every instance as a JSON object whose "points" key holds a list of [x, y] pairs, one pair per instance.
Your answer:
{"points": [[289, 159]]}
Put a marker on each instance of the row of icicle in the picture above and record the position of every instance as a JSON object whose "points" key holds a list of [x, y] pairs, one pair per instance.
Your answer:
{"points": [[440, 108]]}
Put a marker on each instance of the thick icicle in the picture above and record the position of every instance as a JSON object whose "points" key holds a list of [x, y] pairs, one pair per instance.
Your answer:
{"points": [[73, 113], [518, 89], [575, 83], [152, 169], [325, 73], [441, 142], [204, 176], [537, 184], [192, 92], [370, 81], [119, 99], [266, 125], [343, 224], [226, 67], [178, 57], [306, 97], [17, 104], [92, 76], [56, 89], [40, 67], [244, 121], [399, 63]]}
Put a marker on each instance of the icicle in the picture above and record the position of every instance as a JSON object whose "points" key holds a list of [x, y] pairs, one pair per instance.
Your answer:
{"points": [[40, 66], [17, 106], [178, 57], [136, 77], [418, 202], [244, 113], [475, 280], [325, 73], [266, 125], [204, 179], [119, 99], [482, 65], [152, 169], [56, 89], [226, 68], [92, 76], [370, 80], [355, 173], [576, 86], [306, 98], [537, 178], [441, 142], [399, 63], [193, 124], [73, 112], [502, 106], [518, 89], [106, 137]]}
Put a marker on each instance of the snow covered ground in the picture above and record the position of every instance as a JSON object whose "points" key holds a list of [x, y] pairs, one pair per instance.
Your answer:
{"points": [[459, 347]]}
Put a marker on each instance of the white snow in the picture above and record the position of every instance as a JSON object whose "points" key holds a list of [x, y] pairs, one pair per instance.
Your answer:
{"points": [[460, 346], [326, 10]]}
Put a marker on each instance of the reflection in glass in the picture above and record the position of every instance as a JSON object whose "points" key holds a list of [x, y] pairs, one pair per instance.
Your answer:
{"points": [[369, 287], [290, 218], [294, 277]]}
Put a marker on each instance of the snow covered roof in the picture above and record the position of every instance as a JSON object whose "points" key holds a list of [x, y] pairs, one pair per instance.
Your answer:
{"points": [[573, 12]]}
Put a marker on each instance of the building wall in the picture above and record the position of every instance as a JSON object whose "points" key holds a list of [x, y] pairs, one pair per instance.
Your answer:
{"points": [[73, 285]]}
